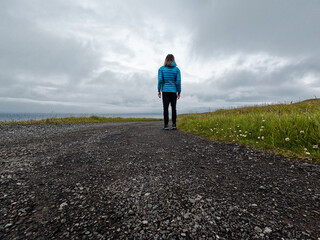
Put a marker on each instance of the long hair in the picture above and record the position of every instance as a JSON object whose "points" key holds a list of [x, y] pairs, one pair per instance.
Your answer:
{"points": [[168, 60]]}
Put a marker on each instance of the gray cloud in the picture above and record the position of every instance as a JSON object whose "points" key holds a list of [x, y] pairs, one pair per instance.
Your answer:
{"points": [[285, 27], [290, 83], [27, 48]]}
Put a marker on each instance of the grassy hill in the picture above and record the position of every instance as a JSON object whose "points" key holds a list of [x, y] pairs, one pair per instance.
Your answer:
{"points": [[292, 130]]}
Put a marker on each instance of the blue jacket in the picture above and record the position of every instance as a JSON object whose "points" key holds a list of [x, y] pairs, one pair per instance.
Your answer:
{"points": [[169, 79]]}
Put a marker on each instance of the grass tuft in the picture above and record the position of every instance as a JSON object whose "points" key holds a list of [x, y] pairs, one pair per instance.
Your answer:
{"points": [[292, 130]]}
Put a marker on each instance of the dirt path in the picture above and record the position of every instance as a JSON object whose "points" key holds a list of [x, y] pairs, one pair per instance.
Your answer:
{"points": [[135, 181]]}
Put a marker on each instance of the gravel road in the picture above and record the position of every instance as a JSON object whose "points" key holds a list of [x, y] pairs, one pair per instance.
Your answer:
{"points": [[135, 181]]}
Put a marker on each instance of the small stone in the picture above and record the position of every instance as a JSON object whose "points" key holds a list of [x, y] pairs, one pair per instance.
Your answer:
{"points": [[62, 205], [147, 194], [254, 205], [145, 222], [186, 216], [198, 198], [191, 200], [8, 225], [267, 230], [257, 229], [63, 220], [183, 234]]}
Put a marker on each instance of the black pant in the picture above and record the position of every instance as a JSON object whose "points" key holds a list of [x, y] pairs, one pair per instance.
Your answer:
{"points": [[169, 97]]}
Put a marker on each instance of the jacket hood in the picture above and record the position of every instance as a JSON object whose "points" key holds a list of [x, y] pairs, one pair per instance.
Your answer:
{"points": [[172, 65]]}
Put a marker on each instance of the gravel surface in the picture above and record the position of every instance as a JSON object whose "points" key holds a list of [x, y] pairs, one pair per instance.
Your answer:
{"points": [[135, 181]]}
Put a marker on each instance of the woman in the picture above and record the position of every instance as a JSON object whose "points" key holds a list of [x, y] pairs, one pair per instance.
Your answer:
{"points": [[169, 83]]}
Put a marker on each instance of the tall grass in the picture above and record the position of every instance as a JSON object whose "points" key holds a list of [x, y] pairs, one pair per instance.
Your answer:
{"points": [[92, 119], [292, 130]]}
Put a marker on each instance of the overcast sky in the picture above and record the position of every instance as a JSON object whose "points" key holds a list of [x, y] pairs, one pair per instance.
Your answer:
{"points": [[103, 56]]}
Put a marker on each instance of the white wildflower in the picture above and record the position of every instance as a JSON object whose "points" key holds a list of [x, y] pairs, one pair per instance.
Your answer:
{"points": [[307, 153], [301, 131], [315, 146], [262, 137], [287, 139]]}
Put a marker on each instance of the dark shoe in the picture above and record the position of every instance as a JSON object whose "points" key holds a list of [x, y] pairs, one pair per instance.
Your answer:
{"points": [[165, 127], [174, 127]]}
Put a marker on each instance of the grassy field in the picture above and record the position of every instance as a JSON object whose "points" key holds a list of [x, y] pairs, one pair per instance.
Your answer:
{"points": [[92, 119], [292, 130]]}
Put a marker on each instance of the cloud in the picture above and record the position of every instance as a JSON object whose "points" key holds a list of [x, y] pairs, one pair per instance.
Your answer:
{"points": [[292, 82], [37, 64], [281, 28]]}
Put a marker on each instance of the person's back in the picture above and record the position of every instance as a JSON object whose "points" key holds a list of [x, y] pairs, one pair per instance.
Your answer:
{"points": [[169, 83], [170, 79]]}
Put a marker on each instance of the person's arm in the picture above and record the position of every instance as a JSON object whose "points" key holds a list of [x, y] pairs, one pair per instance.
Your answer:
{"points": [[160, 82], [178, 83]]}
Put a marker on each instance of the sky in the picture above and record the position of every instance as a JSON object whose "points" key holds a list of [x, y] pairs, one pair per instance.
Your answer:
{"points": [[103, 56]]}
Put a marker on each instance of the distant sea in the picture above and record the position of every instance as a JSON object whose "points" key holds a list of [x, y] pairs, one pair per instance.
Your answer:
{"points": [[39, 116]]}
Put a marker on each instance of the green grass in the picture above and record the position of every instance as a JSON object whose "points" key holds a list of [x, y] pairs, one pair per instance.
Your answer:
{"points": [[292, 130], [92, 119]]}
